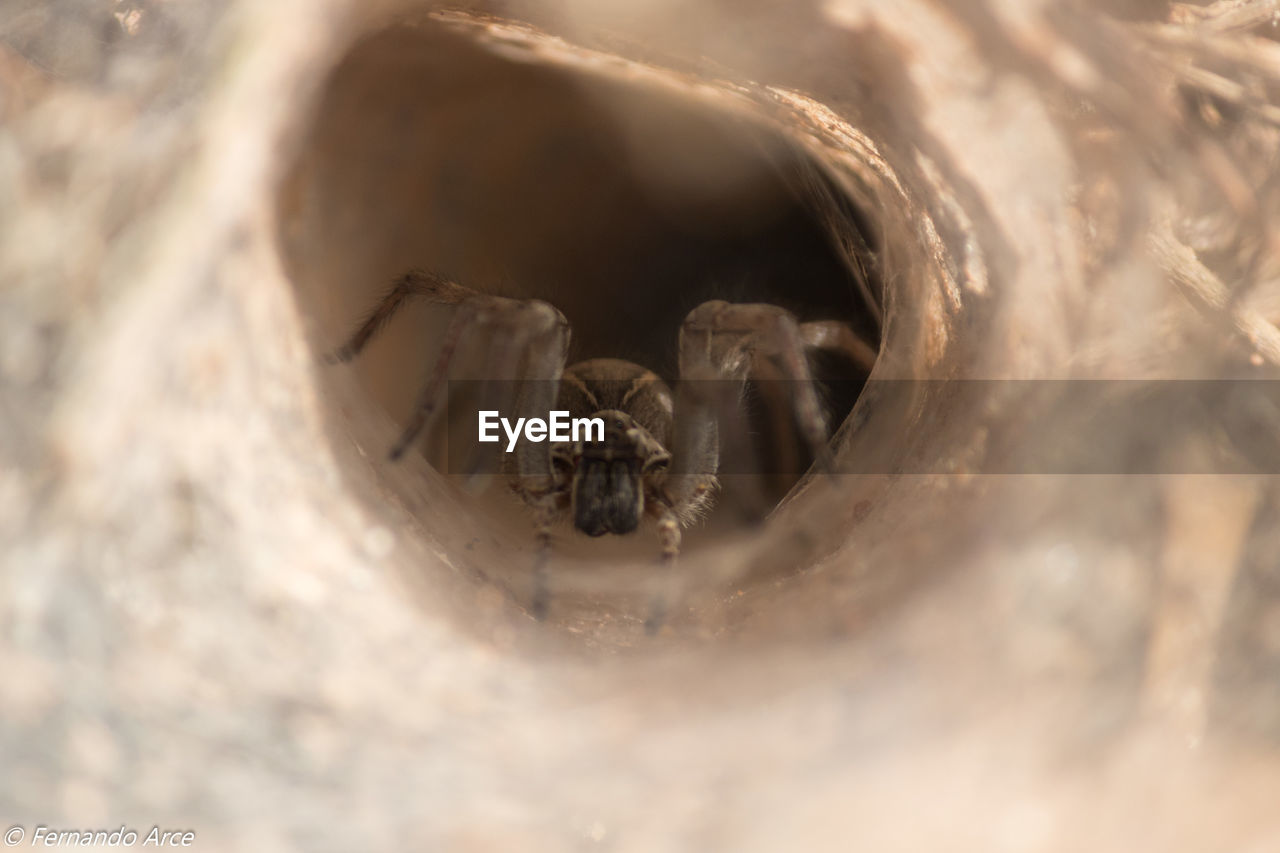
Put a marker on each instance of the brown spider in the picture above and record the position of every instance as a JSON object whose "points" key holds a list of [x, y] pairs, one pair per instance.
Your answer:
{"points": [[660, 451]]}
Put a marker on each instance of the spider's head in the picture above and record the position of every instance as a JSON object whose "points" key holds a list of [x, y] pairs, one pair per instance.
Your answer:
{"points": [[609, 476]]}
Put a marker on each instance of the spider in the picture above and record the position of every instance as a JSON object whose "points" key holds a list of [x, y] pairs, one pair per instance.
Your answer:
{"points": [[660, 452]]}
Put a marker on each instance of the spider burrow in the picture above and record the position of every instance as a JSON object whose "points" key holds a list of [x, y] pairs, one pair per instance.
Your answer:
{"points": [[660, 452]]}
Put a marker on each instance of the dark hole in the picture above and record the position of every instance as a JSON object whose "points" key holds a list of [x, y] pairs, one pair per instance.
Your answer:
{"points": [[623, 205]]}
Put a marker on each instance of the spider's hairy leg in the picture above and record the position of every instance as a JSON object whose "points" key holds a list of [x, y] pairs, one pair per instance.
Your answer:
{"points": [[709, 422], [734, 341], [412, 283], [546, 356], [438, 291], [545, 352], [530, 342], [701, 402], [523, 332], [669, 535], [428, 396], [837, 336], [524, 344], [544, 513]]}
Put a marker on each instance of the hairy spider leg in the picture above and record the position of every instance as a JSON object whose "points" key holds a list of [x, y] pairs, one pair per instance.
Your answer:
{"points": [[534, 335], [837, 337], [732, 343], [412, 283]]}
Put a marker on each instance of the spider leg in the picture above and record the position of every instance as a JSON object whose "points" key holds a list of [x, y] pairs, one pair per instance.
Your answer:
{"points": [[728, 341], [418, 283], [538, 394], [528, 354], [427, 398], [527, 330], [532, 344], [534, 337], [544, 514], [836, 336], [669, 534], [514, 326], [526, 346], [412, 283]]}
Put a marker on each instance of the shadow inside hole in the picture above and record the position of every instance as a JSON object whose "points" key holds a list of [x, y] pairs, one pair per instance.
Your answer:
{"points": [[623, 206]]}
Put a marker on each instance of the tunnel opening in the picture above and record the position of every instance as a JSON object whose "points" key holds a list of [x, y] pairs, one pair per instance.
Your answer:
{"points": [[622, 203]]}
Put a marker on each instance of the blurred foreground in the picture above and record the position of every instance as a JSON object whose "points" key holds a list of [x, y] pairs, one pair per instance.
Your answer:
{"points": [[221, 611]]}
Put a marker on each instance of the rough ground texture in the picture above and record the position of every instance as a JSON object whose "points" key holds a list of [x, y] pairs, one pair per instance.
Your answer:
{"points": [[221, 611]]}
